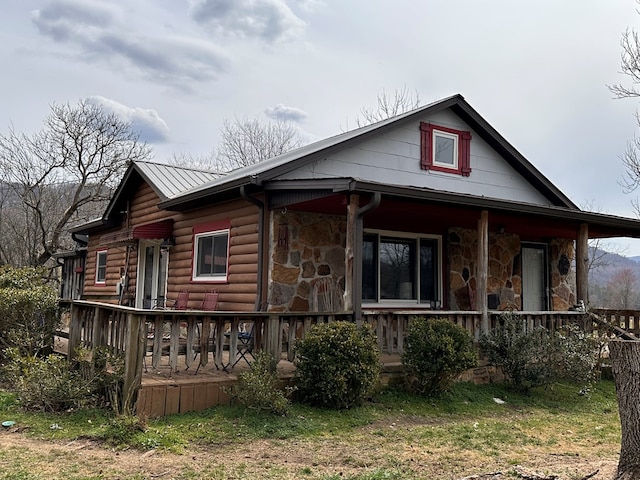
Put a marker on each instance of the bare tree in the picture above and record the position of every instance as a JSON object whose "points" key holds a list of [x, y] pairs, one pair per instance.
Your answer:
{"points": [[250, 140], [630, 66], [389, 105], [63, 174], [622, 289]]}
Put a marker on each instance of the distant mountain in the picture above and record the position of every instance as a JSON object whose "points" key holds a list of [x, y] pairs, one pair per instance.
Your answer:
{"points": [[606, 265]]}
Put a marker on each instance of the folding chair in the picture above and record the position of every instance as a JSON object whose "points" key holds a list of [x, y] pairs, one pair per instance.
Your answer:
{"points": [[210, 301], [182, 301], [245, 346]]}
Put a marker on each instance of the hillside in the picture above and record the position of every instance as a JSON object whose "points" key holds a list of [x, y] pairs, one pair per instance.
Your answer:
{"points": [[614, 280]]}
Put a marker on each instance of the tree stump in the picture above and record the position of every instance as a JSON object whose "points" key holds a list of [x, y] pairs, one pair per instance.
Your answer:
{"points": [[625, 365]]}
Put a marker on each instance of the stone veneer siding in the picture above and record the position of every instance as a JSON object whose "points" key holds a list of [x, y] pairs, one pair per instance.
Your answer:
{"points": [[504, 280], [305, 247]]}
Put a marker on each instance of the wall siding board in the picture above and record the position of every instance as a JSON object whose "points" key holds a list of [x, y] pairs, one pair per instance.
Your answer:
{"points": [[396, 155]]}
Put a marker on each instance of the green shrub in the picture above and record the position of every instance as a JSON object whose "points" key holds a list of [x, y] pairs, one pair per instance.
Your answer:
{"points": [[46, 384], [258, 388], [337, 365], [436, 352], [531, 357], [51, 384], [29, 310]]}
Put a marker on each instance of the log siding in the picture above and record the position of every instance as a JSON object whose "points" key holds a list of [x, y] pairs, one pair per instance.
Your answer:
{"points": [[238, 293]]}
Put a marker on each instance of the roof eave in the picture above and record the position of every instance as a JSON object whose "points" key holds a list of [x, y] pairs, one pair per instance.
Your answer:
{"points": [[197, 197]]}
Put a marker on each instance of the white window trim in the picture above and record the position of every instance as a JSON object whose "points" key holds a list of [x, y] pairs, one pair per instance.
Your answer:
{"points": [[216, 277], [399, 302], [456, 139], [99, 254]]}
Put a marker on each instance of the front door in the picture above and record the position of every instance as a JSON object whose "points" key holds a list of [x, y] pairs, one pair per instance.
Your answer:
{"points": [[534, 278], [152, 275]]}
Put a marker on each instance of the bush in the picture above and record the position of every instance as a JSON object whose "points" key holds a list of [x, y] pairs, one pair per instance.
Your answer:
{"points": [[535, 357], [258, 388], [436, 352], [337, 365], [29, 310], [46, 384], [51, 384]]}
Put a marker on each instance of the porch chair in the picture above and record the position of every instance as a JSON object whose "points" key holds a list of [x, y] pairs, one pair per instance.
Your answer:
{"points": [[210, 301], [245, 346], [182, 301]]}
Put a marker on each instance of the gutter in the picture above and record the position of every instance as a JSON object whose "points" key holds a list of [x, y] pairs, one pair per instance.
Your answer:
{"points": [[81, 239], [260, 206], [357, 257]]}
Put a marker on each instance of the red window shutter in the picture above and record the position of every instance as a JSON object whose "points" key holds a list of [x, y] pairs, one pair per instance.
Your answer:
{"points": [[425, 146], [465, 153]]}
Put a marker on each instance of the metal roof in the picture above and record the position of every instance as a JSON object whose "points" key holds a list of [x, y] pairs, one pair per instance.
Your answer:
{"points": [[270, 169], [166, 180], [170, 180]]}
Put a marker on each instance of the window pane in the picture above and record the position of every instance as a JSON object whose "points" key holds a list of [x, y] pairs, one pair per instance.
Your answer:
{"points": [[443, 151], [370, 268], [397, 268], [219, 254], [428, 270], [205, 256]]}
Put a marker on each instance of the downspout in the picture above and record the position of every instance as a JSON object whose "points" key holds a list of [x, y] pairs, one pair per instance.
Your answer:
{"points": [[357, 260], [260, 206]]}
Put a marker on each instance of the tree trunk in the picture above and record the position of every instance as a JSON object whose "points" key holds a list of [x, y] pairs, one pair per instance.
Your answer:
{"points": [[625, 364]]}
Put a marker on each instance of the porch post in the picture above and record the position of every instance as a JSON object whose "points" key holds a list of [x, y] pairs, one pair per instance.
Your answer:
{"points": [[582, 264], [352, 209], [482, 273], [133, 360]]}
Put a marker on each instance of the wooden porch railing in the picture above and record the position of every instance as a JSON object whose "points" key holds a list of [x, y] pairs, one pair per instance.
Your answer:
{"points": [[187, 337], [624, 323]]}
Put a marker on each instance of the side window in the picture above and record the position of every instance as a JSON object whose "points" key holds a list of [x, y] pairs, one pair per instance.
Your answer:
{"points": [[210, 256], [101, 267], [445, 149]]}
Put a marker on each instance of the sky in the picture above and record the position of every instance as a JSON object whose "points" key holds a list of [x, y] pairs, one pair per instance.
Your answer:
{"points": [[177, 69]]}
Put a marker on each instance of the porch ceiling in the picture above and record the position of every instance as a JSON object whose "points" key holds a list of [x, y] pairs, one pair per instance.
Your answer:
{"points": [[533, 222]]}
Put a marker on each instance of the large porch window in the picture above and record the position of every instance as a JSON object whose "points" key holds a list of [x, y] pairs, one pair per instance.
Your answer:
{"points": [[400, 268]]}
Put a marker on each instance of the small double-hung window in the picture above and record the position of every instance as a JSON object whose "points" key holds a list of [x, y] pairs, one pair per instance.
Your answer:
{"points": [[210, 258], [445, 149], [101, 267]]}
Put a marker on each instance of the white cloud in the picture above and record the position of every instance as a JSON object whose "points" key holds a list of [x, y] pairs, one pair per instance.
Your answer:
{"points": [[283, 112], [152, 127], [97, 30], [269, 20]]}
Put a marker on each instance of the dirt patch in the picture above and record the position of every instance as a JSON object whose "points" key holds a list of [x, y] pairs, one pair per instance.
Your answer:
{"points": [[282, 459]]}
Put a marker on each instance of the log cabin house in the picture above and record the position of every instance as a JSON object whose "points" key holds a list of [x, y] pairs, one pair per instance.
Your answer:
{"points": [[430, 212]]}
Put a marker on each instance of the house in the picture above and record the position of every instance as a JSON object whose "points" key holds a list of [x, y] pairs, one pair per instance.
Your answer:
{"points": [[432, 209], [431, 212]]}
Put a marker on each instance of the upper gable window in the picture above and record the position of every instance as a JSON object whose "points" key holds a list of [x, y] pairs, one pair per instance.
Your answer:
{"points": [[445, 149]]}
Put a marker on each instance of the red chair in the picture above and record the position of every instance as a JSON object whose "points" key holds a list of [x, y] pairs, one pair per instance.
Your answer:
{"points": [[182, 301], [210, 301]]}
